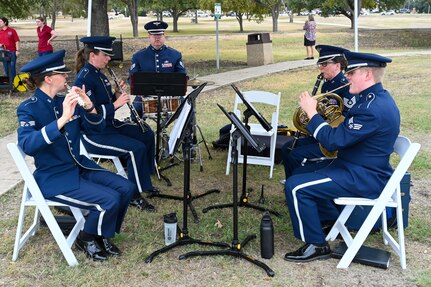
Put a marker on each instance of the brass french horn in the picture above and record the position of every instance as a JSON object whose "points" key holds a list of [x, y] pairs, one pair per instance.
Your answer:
{"points": [[330, 107]]}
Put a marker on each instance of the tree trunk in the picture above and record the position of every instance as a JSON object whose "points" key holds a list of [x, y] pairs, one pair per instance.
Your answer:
{"points": [[175, 18], [54, 14], [275, 11], [240, 22], [133, 11], [54, 18], [99, 22]]}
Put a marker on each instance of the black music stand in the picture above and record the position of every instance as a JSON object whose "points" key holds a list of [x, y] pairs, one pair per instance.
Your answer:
{"points": [[178, 135], [182, 134], [244, 202], [159, 84], [240, 131]]}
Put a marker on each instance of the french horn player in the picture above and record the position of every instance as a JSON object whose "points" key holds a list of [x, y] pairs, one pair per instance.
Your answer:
{"points": [[305, 153], [364, 140]]}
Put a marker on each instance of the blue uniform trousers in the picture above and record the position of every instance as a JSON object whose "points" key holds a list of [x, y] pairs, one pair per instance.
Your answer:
{"points": [[106, 195], [296, 160], [128, 141], [309, 199]]}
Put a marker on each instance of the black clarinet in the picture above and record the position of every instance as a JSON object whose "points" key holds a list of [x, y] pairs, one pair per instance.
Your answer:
{"points": [[313, 93], [317, 84], [142, 124]]}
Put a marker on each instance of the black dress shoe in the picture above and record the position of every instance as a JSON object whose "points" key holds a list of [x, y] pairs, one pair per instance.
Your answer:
{"points": [[309, 252], [92, 249], [108, 246], [142, 204], [154, 190]]}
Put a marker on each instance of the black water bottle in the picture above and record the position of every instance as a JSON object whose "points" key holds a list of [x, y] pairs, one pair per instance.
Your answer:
{"points": [[266, 236]]}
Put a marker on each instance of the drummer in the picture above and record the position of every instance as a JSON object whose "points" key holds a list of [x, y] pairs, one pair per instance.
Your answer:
{"points": [[156, 58]]}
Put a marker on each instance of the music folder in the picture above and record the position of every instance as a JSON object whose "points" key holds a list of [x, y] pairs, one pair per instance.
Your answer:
{"points": [[151, 84]]}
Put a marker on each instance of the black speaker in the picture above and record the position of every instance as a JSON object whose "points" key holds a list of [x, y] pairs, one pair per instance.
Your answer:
{"points": [[117, 49]]}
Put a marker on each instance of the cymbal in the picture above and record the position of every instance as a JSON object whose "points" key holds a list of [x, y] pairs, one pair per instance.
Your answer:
{"points": [[196, 82]]}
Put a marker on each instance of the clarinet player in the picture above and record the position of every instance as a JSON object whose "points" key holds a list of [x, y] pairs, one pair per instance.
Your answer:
{"points": [[331, 64], [124, 139]]}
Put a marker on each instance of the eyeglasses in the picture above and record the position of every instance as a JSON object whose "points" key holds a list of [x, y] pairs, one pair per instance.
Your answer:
{"points": [[324, 64], [351, 72]]}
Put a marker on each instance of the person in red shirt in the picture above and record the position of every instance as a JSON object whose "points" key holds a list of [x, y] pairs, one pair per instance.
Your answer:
{"points": [[9, 41], [45, 34]]}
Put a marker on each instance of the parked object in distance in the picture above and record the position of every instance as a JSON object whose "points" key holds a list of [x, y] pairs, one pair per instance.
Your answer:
{"points": [[202, 14], [389, 12], [404, 11]]}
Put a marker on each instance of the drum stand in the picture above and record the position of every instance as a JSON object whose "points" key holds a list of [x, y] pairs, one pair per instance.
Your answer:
{"points": [[161, 135], [196, 148], [235, 247], [185, 239]]}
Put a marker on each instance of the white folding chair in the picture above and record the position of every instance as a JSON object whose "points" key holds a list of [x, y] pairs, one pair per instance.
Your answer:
{"points": [[266, 98], [115, 159], [389, 197], [32, 196]]}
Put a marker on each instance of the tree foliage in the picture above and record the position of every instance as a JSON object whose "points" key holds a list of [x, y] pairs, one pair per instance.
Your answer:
{"points": [[15, 9], [274, 7], [244, 10]]}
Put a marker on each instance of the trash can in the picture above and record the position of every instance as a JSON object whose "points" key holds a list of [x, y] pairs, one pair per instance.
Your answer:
{"points": [[259, 49]]}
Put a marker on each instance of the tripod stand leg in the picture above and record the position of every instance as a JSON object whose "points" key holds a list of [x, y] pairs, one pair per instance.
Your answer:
{"points": [[150, 258], [249, 205], [184, 241], [219, 206], [231, 252], [205, 142], [205, 193]]}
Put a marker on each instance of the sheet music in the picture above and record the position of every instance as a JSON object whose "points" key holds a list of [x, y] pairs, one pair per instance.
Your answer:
{"points": [[175, 134]]}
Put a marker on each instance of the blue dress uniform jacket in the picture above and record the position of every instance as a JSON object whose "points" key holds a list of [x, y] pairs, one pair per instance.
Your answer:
{"points": [[117, 138], [57, 167], [364, 142], [164, 60]]}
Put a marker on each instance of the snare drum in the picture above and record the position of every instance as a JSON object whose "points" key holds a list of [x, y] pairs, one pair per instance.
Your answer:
{"points": [[168, 104]]}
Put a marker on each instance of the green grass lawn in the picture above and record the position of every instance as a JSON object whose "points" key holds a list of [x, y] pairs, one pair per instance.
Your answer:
{"points": [[41, 263]]}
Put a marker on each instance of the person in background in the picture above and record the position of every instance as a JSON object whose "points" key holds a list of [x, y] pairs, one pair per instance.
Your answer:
{"points": [[9, 41], [364, 140], [45, 34], [310, 37], [50, 127], [124, 139]]}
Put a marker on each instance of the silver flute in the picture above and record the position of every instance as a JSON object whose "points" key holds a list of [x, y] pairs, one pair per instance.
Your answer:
{"points": [[80, 100], [142, 124]]}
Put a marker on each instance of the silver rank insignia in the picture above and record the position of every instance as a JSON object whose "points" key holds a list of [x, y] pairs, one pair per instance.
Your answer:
{"points": [[354, 126], [349, 102], [27, 124]]}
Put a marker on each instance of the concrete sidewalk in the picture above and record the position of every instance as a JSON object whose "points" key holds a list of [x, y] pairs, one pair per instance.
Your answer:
{"points": [[11, 177]]}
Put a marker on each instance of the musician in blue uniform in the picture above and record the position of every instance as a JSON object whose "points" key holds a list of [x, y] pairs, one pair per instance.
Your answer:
{"points": [[157, 57], [306, 154], [119, 138], [364, 141], [49, 130]]}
